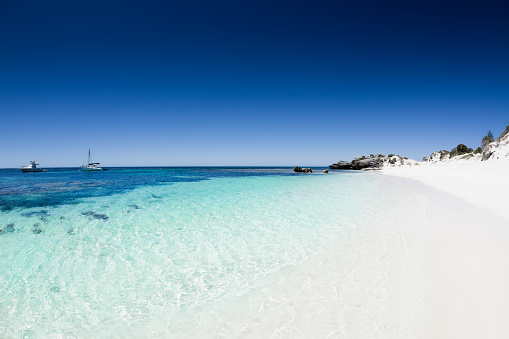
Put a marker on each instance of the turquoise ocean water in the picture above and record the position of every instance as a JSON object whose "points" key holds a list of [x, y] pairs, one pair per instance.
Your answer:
{"points": [[190, 252]]}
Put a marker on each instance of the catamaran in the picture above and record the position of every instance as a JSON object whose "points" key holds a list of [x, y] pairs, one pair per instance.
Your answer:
{"points": [[91, 166]]}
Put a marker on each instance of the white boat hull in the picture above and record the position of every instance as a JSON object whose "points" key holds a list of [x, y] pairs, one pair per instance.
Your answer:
{"points": [[91, 169], [32, 167], [24, 170], [91, 166]]}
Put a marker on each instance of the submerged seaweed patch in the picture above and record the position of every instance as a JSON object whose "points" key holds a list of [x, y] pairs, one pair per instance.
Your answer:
{"points": [[36, 229], [96, 215], [66, 186], [136, 207], [41, 214], [8, 229], [54, 289]]}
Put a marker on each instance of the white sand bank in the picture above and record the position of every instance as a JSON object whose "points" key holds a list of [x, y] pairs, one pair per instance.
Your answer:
{"points": [[470, 244], [483, 183]]}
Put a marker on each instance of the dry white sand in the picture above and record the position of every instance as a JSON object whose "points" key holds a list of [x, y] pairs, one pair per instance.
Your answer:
{"points": [[468, 214], [482, 183]]}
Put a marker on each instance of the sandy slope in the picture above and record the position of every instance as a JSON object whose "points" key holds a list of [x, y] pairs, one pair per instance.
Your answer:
{"points": [[482, 183], [468, 214]]}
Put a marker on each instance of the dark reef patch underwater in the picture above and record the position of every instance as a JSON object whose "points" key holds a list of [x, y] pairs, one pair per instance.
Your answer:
{"points": [[95, 215], [66, 185], [8, 229]]}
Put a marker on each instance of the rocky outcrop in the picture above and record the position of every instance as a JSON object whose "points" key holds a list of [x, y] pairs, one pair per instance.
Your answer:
{"points": [[302, 170], [486, 155], [344, 165], [438, 156], [498, 149], [373, 162]]}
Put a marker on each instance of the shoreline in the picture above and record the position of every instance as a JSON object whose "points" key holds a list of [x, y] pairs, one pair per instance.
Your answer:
{"points": [[482, 183], [469, 232]]}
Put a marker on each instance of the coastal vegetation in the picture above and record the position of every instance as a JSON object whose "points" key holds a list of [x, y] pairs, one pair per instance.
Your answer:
{"points": [[504, 133], [490, 148], [486, 140], [460, 150], [487, 150]]}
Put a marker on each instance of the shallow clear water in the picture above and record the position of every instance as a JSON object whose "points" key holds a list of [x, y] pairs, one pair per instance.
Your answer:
{"points": [[172, 252]]}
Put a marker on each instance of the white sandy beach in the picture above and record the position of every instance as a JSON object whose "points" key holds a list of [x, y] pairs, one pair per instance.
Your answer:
{"points": [[468, 215]]}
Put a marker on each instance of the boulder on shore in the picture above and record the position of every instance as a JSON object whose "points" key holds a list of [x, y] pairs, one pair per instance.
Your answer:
{"points": [[342, 165], [373, 162], [369, 163], [302, 170]]}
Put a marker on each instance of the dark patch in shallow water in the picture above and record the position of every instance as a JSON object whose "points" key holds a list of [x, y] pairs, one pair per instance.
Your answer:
{"points": [[68, 186], [136, 207], [55, 289], [8, 229], [36, 229], [96, 215], [41, 214]]}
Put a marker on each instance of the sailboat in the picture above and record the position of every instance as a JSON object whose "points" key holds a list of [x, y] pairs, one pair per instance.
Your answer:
{"points": [[91, 166]]}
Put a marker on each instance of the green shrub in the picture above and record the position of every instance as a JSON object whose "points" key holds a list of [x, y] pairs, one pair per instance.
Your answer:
{"points": [[462, 149], [478, 150], [487, 139]]}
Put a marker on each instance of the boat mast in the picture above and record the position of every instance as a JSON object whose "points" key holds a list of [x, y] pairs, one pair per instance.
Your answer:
{"points": [[89, 156]]}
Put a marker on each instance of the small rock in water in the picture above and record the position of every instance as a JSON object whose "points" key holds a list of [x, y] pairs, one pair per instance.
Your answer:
{"points": [[136, 207], [156, 196], [302, 170]]}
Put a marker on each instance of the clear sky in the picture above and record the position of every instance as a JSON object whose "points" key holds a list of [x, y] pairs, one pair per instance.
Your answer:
{"points": [[248, 82]]}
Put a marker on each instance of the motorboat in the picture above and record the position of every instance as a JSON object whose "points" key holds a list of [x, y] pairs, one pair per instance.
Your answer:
{"points": [[31, 168]]}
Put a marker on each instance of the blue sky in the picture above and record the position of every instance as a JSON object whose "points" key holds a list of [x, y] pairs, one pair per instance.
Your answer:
{"points": [[247, 82]]}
